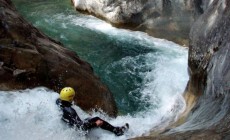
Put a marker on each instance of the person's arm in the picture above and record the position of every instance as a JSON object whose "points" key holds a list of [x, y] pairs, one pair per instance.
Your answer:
{"points": [[70, 116]]}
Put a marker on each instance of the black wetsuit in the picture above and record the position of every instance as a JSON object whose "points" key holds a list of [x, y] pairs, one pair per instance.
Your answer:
{"points": [[70, 117]]}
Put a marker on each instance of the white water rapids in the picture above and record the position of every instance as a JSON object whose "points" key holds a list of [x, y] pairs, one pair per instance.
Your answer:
{"points": [[33, 114]]}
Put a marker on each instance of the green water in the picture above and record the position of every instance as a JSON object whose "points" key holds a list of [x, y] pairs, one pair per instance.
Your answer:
{"points": [[120, 59]]}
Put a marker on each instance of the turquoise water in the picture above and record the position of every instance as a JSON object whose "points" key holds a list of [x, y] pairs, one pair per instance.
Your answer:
{"points": [[146, 75], [118, 58]]}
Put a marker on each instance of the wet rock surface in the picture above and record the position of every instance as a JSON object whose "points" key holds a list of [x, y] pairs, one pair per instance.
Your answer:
{"points": [[28, 59], [167, 19], [209, 67]]}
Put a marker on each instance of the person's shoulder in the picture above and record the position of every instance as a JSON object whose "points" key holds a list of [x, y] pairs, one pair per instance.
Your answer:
{"points": [[69, 110]]}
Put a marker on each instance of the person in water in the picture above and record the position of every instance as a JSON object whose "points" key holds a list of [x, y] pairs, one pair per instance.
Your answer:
{"points": [[71, 117]]}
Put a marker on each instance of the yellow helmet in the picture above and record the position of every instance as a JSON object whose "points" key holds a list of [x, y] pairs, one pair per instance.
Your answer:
{"points": [[67, 94]]}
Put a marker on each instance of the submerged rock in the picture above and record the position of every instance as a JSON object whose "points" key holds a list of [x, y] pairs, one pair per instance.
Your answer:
{"points": [[28, 59]]}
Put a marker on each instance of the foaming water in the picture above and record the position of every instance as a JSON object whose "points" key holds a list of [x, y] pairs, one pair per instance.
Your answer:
{"points": [[146, 75], [118, 53], [33, 114]]}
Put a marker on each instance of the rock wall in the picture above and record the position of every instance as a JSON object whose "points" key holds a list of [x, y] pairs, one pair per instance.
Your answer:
{"points": [[209, 55], [209, 68], [28, 59], [170, 19]]}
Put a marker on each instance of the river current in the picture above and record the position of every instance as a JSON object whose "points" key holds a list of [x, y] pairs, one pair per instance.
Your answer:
{"points": [[146, 75]]}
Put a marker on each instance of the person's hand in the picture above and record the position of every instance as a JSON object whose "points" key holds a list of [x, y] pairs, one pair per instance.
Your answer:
{"points": [[99, 122]]}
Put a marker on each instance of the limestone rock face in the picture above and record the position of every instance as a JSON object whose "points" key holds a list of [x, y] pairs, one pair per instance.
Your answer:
{"points": [[168, 19], [115, 11], [209, 67], [209, 57], [29, 59]]}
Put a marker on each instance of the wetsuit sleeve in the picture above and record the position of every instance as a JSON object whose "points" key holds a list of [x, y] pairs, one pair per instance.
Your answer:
{"points": [[70, 116]]}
